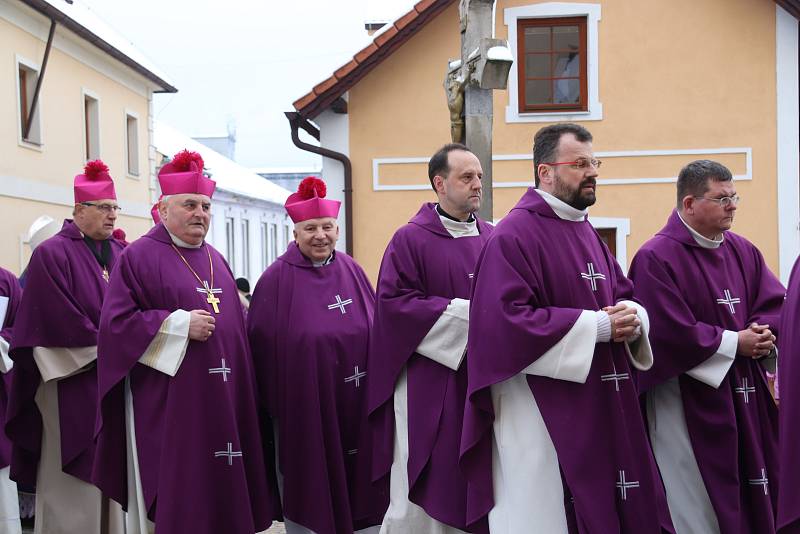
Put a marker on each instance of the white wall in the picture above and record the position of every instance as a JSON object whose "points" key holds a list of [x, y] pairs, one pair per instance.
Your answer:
{"points": [[335, 135]]}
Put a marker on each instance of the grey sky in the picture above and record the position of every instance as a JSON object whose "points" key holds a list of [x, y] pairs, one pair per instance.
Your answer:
{"points": [[244, 62]]}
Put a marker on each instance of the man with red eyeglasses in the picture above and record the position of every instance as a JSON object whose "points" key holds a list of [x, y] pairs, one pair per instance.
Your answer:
{"points": [[714, 308], [553, 440]]}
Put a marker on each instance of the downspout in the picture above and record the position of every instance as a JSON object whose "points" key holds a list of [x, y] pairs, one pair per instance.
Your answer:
{"points": [[39, 81], [296, 121]]}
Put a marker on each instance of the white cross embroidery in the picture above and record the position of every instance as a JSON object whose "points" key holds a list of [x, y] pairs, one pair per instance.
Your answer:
{"points": [[763, 481], [471, 276], [729, 301], [340, 304], [352, 452], [222, 369], [230, 453], [745, 389], [212, 289], [592, 276], [356, 376], [615, 376], [624, 485]]}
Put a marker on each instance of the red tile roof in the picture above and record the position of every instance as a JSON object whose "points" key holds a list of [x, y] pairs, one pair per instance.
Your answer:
{"points": [[324, 94], [389, 40]]}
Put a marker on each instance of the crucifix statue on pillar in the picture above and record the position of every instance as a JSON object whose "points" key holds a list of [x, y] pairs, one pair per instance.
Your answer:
{"points": [[484, 66]]}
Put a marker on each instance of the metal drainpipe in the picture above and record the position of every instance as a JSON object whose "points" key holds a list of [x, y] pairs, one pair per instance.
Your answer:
{"points": [[39, 80], [296, 121]]}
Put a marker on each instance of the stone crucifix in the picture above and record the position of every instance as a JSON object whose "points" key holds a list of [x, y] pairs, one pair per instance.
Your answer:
{"points": [[483, 66]]}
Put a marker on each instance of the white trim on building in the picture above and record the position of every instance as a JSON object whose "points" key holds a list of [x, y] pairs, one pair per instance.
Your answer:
{"points": [[788, 138], [746, 151]]}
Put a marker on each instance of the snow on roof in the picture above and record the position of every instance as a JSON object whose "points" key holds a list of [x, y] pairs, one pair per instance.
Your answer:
{"points": [[80, 14], [229, 175]]}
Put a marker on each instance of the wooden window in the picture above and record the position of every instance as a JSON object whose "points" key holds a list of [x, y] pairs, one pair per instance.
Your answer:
{"points": [[609, 237], [27, 78], [552, 64]]}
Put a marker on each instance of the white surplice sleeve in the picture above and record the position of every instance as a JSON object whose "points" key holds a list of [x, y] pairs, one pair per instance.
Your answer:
{"points": [[61, 362], [167, 349], [638, 348], [571, 358], [712, 371], [446, 342], [6, 363]]}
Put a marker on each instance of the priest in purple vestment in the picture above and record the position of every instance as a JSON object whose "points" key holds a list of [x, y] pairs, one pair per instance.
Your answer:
{"points": [[10, 295], [553, 438], [178, 440], [53, 398], [309, 325], [789, 378], [419, 378], [714, 309]]}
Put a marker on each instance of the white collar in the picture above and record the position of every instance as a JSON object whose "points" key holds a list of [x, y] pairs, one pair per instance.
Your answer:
{"points": [[700, 239], [460, 228], [562, 209], [179, 242], [327, 261]]}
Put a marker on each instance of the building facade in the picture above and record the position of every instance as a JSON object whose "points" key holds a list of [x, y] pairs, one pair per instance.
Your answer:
{"points": [[94, 101], [658, 84]]}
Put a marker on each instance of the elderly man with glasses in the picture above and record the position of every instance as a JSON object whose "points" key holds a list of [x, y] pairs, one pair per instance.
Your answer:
{"points": [[714, 308], [553, 440], [53, 398]]}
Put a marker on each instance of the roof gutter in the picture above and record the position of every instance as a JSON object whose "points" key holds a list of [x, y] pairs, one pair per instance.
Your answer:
{"points": [[296, 121], [58, 16]]}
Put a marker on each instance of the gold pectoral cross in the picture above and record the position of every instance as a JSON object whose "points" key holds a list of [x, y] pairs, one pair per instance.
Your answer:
{"points": [[214, 301]]}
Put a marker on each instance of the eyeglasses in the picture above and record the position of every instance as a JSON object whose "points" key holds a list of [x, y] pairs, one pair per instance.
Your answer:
{"points": [[579, 165], [105, 208], [724, 202]]}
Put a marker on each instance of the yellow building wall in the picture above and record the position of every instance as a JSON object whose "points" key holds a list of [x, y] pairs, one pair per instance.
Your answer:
{"points": [[673, 75], [62, 155]]}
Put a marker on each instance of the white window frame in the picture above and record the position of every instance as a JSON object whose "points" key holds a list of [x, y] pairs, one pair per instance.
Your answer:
{"points": [[132, 156], [86, 152], [548, 10], [30, 65], [623, 230], [245, 224], [230, 241]]}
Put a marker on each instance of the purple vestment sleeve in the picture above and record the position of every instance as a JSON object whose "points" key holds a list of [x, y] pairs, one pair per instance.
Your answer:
{"points": [[789, 379], [10, 288], [659, 291]]}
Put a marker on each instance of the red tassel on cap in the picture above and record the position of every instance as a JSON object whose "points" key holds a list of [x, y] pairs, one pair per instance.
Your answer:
{"points": [[183, 160], [309, 185], [94, 168]]}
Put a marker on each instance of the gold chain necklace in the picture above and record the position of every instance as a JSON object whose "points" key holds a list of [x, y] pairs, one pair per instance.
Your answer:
{"points": [[211, 299]]}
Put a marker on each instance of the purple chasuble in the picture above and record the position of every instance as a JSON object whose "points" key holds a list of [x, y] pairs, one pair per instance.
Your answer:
{"points": [[9, 288], [535, 276], [693, 294], [423, 269], [199, 447], [309, 331], [789, 378], [60, 308]]}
